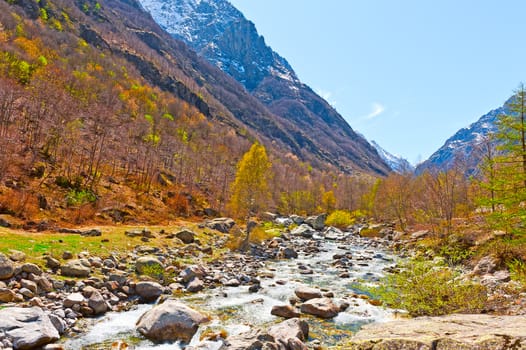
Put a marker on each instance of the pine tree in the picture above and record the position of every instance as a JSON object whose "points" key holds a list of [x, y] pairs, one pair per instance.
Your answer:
{"points": [[250, 192]]}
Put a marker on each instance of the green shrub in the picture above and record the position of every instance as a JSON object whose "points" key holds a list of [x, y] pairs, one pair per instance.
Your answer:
{"points": [[340, 219], [455, 250], [426, 289], [76, 197], [517, 269]]}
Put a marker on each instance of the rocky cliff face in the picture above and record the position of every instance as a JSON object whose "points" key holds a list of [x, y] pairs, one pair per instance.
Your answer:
{"points": [[220, 33]]}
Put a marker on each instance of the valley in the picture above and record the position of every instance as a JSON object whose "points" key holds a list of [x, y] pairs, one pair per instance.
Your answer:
{"points": [[167, 181]]}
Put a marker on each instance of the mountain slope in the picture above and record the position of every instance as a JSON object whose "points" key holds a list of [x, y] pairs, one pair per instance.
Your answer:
{"points": [[465, 145], [221, 34], [396, 163]]}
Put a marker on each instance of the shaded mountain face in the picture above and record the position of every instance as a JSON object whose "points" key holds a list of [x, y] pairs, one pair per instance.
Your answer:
{"points": [[466, 146], [220, 33], [396, 163]]}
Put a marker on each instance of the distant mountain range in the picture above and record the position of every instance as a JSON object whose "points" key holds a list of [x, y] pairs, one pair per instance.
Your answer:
{"points": [[309, 126], [466, 145]]}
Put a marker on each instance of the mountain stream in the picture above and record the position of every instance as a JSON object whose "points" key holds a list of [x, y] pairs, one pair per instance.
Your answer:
{"points": [[236, 310]]}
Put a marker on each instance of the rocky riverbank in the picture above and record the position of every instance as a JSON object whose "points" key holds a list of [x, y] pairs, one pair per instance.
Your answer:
{"points": [[63, 290], [46, 302]]}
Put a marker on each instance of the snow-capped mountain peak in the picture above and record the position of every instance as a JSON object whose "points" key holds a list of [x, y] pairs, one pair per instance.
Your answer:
{"points": [[396, 163]]}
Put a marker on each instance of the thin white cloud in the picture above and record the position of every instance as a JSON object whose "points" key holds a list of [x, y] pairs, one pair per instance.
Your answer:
{"points": [[377, 109], [327, 96]]}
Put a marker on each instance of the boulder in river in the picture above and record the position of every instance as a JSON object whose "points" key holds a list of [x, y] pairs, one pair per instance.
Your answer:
{"points": [[481, 332], [170, 321], [321, 307], [307, 293], [285, 311], [27, 328], [291, 328]]}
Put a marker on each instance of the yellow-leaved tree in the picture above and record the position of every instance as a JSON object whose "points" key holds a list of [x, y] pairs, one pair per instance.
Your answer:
{"points": [[250, 192]]}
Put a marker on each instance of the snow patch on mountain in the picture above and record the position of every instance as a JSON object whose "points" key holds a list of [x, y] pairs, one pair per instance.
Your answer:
{"points": [[465, 145], [395, 162]]}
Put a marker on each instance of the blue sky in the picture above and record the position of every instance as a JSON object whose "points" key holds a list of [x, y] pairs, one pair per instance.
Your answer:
{"points": [[406, 73]]}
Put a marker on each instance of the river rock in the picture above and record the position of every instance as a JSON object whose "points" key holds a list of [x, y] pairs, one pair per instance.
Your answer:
{"points": [[170, 321], [469, 332], [303, 230], [195, 285], [286, 311], [75, 268], [27, 328], [32, 286], [289, 329], [52, 263], [220, 224], [32, 268], [7, 268], [317, 222], [251, 340], [321, 307], [97, 303], [6, 295], [192, 272], [288, 253], [16, 255], [307, 293], [73, 299], [333, 234], [148, 291], [148, 265], [186, 236]]}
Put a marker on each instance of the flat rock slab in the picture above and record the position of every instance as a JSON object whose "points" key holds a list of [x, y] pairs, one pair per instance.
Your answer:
{"points": [[27, 328], [466, 332]]}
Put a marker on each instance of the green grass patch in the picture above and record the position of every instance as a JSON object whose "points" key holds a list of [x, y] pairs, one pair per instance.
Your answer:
{"points": [[424, 288]]}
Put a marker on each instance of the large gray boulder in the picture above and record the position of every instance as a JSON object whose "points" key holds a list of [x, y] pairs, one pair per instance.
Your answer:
{"points": [[186, 236], [170, 321], [480, 332], [148, 265], [321, 307], [75, 268], [7, 268], [27, 328], [221, 224], [148, 291], [303, 230], [317, 222]]}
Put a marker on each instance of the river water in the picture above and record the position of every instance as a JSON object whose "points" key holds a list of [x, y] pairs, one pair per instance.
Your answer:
{"points": [[235, 310]]}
